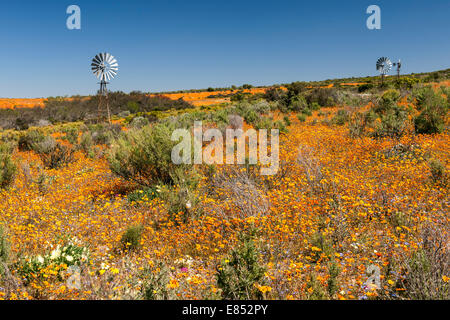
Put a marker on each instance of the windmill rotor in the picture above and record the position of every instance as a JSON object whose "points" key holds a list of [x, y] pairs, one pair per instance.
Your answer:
{"points": [[104, 66], [384, 65]]}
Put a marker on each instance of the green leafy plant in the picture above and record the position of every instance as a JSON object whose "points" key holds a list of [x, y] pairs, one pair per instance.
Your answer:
{"points": [[239, 274], [7, 167], [131, 239]]}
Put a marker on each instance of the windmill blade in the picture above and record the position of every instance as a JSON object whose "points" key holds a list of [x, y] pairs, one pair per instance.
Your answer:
{"points": [[111, 74], [96, 59], [111, 59]]}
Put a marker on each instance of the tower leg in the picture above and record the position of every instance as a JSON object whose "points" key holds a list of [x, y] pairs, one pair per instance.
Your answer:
{"points": [[107, 108], [102, 101]]}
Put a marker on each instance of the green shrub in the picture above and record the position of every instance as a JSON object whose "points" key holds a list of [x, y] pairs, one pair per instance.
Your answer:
{"points": [[274, 94], [301, 117], [144, 156], [139, 122], [387, 101], [264, 123], [248, 112], [86, 142], [365, 87], [4, 250], [146, 194], [298, 104], [71, 135], [307, 112], [425, 268], [341, 117], [287, 120], [406, 82], [428, 122], [46, 145], [54, 155], [131, 239], [180, 199], [315, 289], [326, 97], [239, 274], [438, 171], [29, 139], [105, 133], [394, 123], [314, 106], [7, 167], [333, 271], [318, 240], [154, 282], [434, 108], [133, 106]]}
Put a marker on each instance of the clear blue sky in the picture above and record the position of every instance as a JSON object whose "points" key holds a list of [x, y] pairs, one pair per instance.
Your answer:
{"points": [[170, 45]]}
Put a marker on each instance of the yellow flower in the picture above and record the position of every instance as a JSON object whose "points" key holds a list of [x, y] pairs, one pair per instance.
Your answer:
{"points": [[173, 283], [114, 270], [264, 289]]}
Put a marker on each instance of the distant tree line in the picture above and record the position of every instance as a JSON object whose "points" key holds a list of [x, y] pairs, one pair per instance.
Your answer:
{"points": [[59, 109]]}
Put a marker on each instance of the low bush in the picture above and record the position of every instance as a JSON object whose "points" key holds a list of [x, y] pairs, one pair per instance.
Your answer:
{"points": [[4, 250], [29, 139], [155, 281], [301, 117], [86, 142], [394, 123], [438, 172], [424, 271], [342, 117], [131, 239], [139, 196], [53, 154], [242, 272], [387, 101], [298, 104], [144, 156], [139, 122], [433, 109], [325, 97], [7, 167]]}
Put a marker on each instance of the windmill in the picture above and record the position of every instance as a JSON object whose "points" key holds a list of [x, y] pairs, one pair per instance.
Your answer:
{"points": [[384, 65], [398, 65], [104, 66]]}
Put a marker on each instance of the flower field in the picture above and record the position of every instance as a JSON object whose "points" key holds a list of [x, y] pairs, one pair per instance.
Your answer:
{"points": [[338, 207]]}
